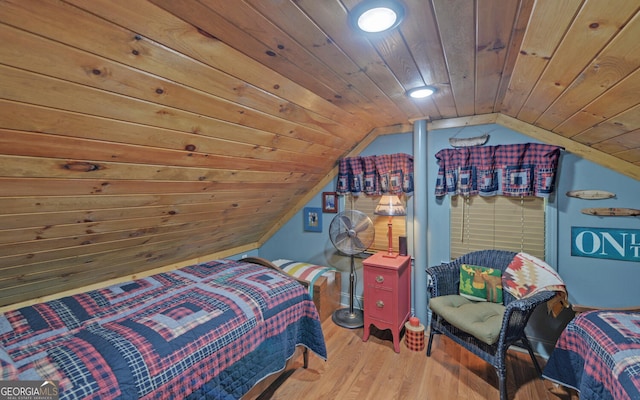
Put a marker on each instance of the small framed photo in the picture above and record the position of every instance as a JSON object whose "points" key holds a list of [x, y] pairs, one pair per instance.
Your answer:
{"points": [[312, 219], [329, 202]]}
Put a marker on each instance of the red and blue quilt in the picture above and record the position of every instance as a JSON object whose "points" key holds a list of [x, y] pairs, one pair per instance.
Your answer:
{"points": [[210, 330], [598, 354]]}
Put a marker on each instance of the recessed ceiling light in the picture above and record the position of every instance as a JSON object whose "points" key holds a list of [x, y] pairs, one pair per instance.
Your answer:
{"points": [[421, 92], [374, 16]]}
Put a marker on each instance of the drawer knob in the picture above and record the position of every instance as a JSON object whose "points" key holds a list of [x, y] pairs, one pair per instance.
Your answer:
{"points": [[380, 304], [379, 278]]}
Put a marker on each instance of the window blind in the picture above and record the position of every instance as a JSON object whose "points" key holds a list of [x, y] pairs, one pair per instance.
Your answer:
{"points": [[497, 222], [367, 205]]}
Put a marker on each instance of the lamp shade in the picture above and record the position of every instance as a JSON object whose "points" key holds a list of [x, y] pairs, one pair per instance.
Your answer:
{"points": [[390, 205]]}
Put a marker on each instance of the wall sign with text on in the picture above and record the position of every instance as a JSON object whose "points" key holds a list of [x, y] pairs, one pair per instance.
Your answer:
{"points": [[609, 243]]}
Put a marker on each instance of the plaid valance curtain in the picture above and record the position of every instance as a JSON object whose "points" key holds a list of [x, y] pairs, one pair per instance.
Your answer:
{"points": [[376, 175], [526, 169]]}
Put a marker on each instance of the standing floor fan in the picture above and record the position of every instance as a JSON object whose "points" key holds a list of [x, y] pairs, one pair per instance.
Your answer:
{"points": [[351, 232]]}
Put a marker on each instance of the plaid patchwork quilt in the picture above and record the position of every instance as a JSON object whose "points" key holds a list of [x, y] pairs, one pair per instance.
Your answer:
{"points": [[598, 354], [210, 330]]}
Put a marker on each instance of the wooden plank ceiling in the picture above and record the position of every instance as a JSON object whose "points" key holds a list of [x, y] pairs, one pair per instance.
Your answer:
{"points": [[136, 134]]}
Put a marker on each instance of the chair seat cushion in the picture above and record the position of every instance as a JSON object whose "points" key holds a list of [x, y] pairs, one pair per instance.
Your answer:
{"points": [[483, 320]]}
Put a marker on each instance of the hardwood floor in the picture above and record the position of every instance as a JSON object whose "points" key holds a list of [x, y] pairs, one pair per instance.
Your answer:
{"points": [[372, 370]]}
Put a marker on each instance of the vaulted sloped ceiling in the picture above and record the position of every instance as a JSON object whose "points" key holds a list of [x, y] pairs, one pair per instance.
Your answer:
{"points": [[140, 133]]}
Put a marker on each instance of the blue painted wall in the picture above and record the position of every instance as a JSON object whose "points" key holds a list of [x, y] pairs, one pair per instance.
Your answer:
{"points": [[590, 281]]}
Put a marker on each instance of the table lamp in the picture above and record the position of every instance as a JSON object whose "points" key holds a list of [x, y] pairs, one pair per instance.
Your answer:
{"points": [[391, 206]]}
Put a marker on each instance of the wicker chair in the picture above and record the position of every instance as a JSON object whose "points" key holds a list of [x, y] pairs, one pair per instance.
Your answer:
{"points": [[445, 280]]}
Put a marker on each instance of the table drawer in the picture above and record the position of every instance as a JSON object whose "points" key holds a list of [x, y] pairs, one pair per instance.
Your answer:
{"points": [[380, 305], [380, 278]]}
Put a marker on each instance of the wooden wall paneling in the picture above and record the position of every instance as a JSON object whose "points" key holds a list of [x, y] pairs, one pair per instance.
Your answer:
{"points": [[612, 128], [594, 26], [42, 248], [20, 205], [521, 20], [21, 166], [289, 17], [632, 156], [331, 16], [20, 116], [97, 153], [271, 81], [91, 269], [544, 33], [393, 49], [132, 224], [16, 255], [493, 33], [612, 102], [77, 187], [614, 63], [457, 32], [49, 247], [211, 225], [397, 56], [420, 30], [266, 31], [87, 69], [626, 143], [95, 35], [43, 262], [37, 219], [237, 27], [79, 98]]}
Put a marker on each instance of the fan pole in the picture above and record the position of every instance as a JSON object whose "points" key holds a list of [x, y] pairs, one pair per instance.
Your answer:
{"points": [[349, 317]]}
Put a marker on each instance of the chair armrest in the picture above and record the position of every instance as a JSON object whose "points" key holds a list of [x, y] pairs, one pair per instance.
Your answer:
{"points": [[445, 280], [518, 312], [529, 303]]}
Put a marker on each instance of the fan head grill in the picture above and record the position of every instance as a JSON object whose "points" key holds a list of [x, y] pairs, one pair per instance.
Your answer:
{"points": [[351, 232]]}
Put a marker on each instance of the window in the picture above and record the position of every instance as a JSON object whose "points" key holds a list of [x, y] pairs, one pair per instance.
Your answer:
{"points": [[497, 222], [367, 204]]}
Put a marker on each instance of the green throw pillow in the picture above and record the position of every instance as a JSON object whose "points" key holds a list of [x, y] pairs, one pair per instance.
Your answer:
{"points": [[481, 283]]}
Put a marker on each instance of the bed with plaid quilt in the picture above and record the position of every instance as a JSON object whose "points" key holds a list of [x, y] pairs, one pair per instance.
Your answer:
{"points": [[211, 330], [598, 354]]}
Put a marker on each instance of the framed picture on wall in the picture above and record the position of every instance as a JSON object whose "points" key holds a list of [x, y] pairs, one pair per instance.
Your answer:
{"points": [[329, 202], [312, 219]]}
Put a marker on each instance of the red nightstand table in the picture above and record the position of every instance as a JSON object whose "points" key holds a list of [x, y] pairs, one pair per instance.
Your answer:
{"points": [[387, 294]]}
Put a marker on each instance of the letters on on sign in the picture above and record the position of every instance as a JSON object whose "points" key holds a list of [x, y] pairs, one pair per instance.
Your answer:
{"points": [[609, 243]]}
